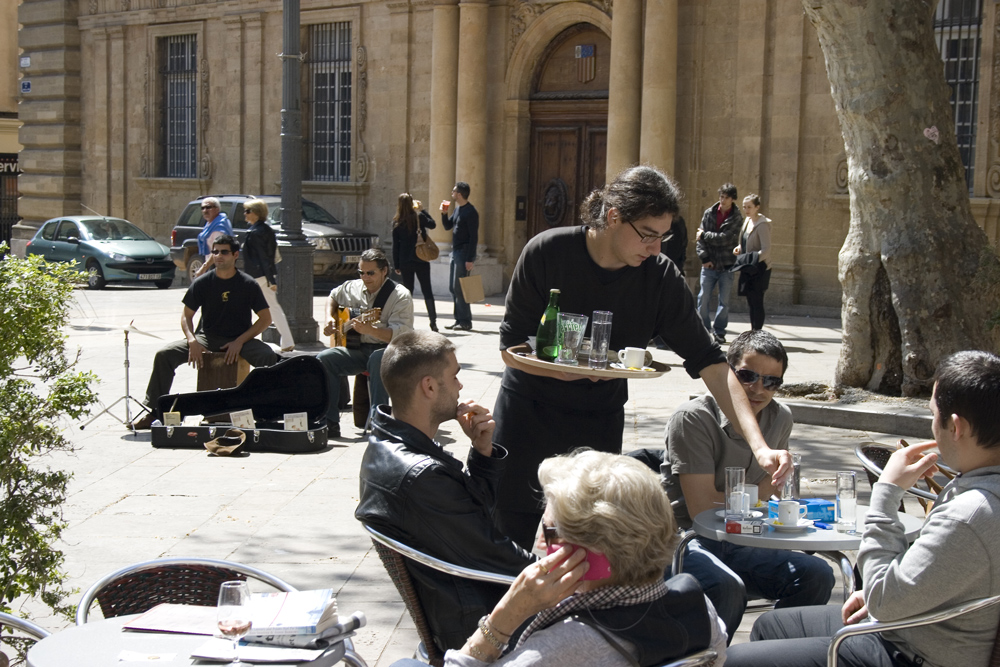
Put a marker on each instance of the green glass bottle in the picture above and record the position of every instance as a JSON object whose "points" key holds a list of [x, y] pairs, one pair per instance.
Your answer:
{"points": [[547, 338]]}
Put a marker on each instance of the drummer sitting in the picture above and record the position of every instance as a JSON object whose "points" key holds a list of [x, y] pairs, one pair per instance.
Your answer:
{"points": [[701, 444]]}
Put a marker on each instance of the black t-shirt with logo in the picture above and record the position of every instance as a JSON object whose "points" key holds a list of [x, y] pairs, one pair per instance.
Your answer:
{"points": [[226, 304]]}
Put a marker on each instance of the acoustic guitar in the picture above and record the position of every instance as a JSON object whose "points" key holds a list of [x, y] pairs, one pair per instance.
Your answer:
{"points": [[352, 339]]}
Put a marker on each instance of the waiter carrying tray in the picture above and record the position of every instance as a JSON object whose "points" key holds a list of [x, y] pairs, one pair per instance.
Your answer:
{"points": [[612, 262]]}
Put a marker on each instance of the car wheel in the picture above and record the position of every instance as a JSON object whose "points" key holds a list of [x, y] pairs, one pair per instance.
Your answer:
{"points": [[95, 276], [163, 284], [194, 264]]}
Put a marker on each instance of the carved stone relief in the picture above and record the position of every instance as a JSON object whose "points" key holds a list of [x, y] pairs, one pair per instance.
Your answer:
{"points": [[525, 13], [206, 158], [361, 162], [841, 177]]}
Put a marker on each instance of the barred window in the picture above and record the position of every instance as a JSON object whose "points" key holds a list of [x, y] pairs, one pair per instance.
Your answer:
{"points": [[956, 27], [328, 117], [178, 70]]}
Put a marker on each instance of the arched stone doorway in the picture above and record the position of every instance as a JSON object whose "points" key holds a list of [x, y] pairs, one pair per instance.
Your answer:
{"points": [[569, 119]]}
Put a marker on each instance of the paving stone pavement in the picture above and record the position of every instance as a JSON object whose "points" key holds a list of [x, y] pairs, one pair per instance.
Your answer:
{"points": [[292, 515]]}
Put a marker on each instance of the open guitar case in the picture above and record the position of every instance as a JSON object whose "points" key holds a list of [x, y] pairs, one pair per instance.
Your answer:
{"points": [[293, 385]]}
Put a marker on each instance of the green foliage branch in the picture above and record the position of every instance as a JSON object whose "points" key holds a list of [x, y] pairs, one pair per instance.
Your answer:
{"points": [[39, 390]]}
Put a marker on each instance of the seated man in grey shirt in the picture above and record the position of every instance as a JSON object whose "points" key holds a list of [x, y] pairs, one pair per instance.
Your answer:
{"points": [[955, 559], [701, 444]]}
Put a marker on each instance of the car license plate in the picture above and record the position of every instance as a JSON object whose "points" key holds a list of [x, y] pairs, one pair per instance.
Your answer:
{"points": [[352, 259], [149, 276]]}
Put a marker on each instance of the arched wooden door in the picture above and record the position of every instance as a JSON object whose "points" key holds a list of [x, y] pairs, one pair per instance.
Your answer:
{"points": [[569, 119]]}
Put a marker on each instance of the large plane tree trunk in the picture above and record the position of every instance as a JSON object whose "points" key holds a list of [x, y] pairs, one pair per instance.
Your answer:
{"points": [[919, 278]]}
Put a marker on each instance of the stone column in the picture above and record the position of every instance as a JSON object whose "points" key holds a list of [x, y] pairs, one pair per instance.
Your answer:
{"points": [[444, 100], [470, 132], [625, 89], [51, 160], [659, 85]]}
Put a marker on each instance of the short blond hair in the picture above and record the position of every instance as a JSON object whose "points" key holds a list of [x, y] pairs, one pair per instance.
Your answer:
{"points": [[258, 206], [615, 505]]}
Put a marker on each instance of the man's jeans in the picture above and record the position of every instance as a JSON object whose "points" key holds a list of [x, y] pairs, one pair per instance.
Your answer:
{"points": [[729, 574], [709, 279], [340, 361], [463, 311]]}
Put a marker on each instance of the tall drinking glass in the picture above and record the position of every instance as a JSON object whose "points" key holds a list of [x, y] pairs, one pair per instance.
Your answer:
{"points": [[792, 490], [571, 328], [600, 335], [735, 492], [234, 614], [847, 501]]}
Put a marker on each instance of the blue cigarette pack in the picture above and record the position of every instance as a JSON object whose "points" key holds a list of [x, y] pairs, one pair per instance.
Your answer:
{"points": [[817, 509]]}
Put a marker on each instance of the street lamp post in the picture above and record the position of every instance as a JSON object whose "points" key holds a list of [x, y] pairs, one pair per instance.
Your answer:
{"points": [[295, 276]]}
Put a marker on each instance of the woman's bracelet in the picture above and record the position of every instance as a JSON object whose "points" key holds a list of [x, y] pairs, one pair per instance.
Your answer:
{"points": [[490, 637], [496, 630]]}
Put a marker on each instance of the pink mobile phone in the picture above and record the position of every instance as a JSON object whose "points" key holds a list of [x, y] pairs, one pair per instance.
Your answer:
{"points": [[600, 567]]}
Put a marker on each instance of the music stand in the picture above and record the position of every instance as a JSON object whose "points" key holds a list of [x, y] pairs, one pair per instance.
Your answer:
{"points": [[128, 396]]}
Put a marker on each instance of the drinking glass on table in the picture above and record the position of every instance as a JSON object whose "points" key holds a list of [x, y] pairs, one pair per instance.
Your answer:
{"points": [[847, 502], [234, 614], [737, 502], [792, 489]]}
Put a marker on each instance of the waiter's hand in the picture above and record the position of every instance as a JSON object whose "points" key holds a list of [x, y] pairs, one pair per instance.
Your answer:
{"points": [[778, 462], [478, 424]]}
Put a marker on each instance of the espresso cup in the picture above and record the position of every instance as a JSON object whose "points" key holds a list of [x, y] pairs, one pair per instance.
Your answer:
{"points": [[632, 357], [789, 512]]}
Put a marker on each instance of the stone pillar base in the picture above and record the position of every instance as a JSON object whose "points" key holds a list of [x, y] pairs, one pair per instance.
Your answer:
{"points": [[295, 290], [487, 266]]}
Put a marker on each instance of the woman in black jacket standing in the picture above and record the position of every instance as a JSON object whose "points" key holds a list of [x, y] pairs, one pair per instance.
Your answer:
{"points": [[410, 221]]}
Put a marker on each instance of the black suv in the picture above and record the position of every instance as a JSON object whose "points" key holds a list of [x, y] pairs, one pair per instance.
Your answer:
{"points": [[338, 247]]}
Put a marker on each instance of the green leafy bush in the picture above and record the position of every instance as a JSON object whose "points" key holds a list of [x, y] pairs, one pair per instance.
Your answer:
{"points": [[39, 390]]}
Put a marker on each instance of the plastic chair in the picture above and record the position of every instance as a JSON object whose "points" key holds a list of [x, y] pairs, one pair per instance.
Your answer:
{"points": [[195, 581], [393, 555], [912, 622]]}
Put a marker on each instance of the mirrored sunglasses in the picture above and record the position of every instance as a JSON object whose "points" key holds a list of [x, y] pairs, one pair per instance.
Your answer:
{"points": [[747, 376]]}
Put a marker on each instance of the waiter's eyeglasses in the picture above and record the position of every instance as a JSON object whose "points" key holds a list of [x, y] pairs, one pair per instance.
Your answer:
{"points": [[747, 376], [366, 273], [649, 238]]}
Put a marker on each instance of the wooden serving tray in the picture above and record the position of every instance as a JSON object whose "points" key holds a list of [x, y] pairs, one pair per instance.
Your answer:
{"points": [[524, 358]]}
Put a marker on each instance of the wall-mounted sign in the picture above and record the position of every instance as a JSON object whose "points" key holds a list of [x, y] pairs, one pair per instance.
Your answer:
{"points": [[8, 163], [25, 87], [25, 61]]}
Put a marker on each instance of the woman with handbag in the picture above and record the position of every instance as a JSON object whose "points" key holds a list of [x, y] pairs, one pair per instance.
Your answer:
{"points": [[412, 249], [752, 253]]}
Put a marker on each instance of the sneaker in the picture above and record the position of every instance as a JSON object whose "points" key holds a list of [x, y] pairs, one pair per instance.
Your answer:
{"points": [[462, 327], [453, 326], [720, 339], [143, 423]]}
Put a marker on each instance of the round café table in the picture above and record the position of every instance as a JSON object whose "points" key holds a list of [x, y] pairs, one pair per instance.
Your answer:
{"points": [[98, 644], [829, 543]]}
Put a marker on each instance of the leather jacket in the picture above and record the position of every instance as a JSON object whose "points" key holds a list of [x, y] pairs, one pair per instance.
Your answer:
{"points": [[414, 491]]}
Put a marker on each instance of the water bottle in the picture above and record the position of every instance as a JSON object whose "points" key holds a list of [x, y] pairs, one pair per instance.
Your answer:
{"points": [[547, 338]]}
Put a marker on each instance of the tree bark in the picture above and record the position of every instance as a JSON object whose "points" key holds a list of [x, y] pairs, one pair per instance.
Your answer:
{"points": [[920, 280]]}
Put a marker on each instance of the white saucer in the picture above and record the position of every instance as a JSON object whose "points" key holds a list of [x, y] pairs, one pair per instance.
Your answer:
{"points": [[802, 525], [754, 514], [622, 367]]}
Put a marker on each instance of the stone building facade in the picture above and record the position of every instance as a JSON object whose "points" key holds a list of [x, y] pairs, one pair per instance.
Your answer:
{"points": [[9, 124], [533, 103]]}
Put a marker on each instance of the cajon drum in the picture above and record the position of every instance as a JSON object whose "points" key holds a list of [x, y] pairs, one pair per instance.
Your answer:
{"points": [[215, 373]]}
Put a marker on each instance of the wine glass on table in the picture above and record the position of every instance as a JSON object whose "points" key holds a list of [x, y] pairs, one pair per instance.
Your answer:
{"points": [[234, 614]]}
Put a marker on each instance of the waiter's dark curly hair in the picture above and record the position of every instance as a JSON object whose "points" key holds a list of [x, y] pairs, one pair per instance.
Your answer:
{"points": [[636, 193]]}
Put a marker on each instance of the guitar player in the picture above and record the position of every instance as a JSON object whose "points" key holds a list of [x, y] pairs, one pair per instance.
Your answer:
{"points": [[373, 290]]}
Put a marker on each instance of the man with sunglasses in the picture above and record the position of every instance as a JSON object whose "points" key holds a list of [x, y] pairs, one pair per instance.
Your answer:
{"points": [[226, 298], [373, 289], [701, 444], [216, 224]]}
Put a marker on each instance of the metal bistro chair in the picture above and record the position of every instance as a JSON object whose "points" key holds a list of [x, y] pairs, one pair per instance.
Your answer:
{"points": [[392, 553], [195, 581], [35, 632], [912, 622], [874, 457]]}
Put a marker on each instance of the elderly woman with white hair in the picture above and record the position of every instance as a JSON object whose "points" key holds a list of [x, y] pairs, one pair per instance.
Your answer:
{"points": [[598, 597]]}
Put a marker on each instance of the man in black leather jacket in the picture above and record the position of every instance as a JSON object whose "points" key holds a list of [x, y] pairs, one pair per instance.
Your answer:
{"points": [[414, 491]]}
